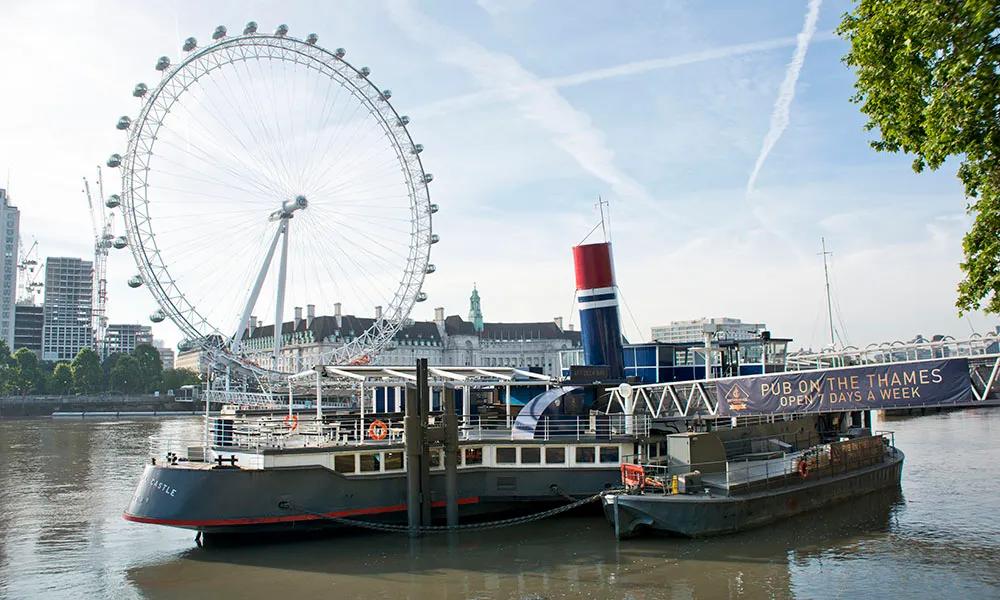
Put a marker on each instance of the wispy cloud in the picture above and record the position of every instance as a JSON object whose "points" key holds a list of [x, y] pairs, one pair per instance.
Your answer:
{"points": [[786, 93], [497, 93], [534, 98]]}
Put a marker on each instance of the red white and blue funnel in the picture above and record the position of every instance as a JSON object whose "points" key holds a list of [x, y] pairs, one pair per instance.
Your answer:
{"points": [[597, 298]]}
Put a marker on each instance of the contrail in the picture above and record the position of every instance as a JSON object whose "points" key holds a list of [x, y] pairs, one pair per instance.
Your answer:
{"points": [[786, 93]]}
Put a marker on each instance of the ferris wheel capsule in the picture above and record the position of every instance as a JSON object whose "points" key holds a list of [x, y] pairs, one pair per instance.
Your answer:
{"points": [[120, 242], [403, 121], [430, 269], [135, 281], [219, 33], [312, 38], [428, 177], [364, 71], [157, 316], [281, 31], [163, 63], [433, 208], [339, 52], [417, 148], [184, 345], [251, 28], [115, 160], [123, 123], [140, 90], [421, 297], [435, 238], [113, 201], [189, 44]]}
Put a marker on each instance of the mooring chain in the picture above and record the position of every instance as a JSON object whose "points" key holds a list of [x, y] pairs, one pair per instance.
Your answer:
{"points": [[446, 528]]}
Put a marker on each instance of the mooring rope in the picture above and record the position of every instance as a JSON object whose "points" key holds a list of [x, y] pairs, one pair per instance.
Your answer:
{"points": [[445, 528]]}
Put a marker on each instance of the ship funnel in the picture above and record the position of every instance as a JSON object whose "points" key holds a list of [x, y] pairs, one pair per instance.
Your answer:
{"points": [[597, 297]]}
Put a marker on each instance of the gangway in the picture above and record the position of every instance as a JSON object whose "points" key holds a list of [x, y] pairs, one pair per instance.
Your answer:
{"points": [[967, 380]]}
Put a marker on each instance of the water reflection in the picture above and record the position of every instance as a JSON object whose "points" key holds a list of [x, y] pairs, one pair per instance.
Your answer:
{"points": [[63, 485], [572, 556]]}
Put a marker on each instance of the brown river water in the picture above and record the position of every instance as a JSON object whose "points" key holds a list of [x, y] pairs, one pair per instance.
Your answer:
{"points": [[64, 484]]}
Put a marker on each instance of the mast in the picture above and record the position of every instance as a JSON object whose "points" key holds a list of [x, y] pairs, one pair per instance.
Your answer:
{"points": [[826, 274]]}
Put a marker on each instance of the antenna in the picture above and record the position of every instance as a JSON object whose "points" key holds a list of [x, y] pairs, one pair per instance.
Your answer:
{"points": [[601, 203], [826, 274]]}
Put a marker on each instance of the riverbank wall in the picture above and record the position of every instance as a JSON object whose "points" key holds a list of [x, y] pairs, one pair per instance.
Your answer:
{"points": [[36, 406]]}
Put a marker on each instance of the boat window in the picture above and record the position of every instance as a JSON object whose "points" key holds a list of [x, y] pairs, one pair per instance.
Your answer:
{"points": [[343, 463], [473, 456], [584, 454], [506, 456], [609, 454], [370, 463], [531, 455], [555, 456], [394, 460]]}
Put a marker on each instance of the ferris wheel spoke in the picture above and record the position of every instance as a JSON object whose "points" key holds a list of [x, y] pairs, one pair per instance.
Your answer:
{"points": [[247, 174], [337, 127]]}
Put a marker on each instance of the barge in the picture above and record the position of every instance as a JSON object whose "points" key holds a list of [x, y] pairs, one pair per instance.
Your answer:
{"points": [[701, 487]]}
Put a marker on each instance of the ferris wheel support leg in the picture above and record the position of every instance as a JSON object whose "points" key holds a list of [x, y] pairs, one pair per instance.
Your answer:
{"points": [[279, 304], [252, 300]]}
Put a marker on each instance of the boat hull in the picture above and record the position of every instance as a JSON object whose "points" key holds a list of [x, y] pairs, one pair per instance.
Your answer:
{"points": [[231, 500], [703, 515]]}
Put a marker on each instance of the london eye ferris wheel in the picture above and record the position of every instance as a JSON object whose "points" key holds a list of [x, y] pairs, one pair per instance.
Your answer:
{"points": [[265, 173]]}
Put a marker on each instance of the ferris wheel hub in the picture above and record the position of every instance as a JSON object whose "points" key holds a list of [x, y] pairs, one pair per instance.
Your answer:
{"points": [[288, 207]]}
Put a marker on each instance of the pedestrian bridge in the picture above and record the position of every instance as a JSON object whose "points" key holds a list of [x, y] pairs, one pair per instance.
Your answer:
{"points": [[897, 375]]}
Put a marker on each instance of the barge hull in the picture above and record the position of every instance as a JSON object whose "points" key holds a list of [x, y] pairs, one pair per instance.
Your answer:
{"points": [[702, 516]]}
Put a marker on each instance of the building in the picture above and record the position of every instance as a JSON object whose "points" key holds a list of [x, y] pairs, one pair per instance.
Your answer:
{"points": [[193, 360], [10, 222], [682, 332], [125, 337], [445, 341], [29, 321], [166, 354], [69, 290]]}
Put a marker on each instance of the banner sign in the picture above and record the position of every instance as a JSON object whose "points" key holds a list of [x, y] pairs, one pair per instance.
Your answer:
{"points": [[903, 385]]}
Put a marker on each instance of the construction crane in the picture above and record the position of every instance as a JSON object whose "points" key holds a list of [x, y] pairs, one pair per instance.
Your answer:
{"points": [[28, 273], [103, 223]]}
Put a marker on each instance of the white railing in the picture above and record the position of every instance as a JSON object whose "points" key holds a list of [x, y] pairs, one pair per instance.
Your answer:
{"points": [[897, 351], [302, 431]]}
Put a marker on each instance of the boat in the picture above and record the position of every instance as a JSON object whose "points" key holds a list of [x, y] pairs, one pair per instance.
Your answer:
{"points": [[265, 469], [705, 484]]}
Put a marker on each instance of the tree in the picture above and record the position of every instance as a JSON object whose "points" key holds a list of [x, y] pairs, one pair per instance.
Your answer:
{"points": [[87, 371], [107, 364], [929, 82], [6, 360], [150, 366], [174, 379], [126, 375], [27, 377], [62, 379]]}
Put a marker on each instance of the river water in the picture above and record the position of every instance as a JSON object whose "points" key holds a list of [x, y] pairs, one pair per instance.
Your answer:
{"points": [[64, 484]]}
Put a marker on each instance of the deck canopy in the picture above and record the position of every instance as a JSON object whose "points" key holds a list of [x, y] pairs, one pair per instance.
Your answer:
{"points": [[447, 376]]}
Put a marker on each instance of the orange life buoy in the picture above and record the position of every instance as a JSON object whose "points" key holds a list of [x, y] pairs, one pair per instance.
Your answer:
{"points": [[378, 430], [292, 421], [803, 468]]}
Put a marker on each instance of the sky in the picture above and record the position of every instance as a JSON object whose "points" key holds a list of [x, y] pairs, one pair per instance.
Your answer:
{"points": [[721, 135]]}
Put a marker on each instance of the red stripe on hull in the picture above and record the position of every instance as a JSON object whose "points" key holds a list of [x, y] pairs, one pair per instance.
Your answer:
{"points": [[354, 512]]}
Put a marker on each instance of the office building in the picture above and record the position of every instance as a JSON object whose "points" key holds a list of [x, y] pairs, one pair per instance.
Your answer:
{"points": [[29, 322], [69, 290], [166, 354], [681, 332], [124, 337], [10, 222]]}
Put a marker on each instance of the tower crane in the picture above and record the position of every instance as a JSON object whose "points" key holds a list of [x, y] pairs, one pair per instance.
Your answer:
{"points": [[28, 273], [103, 224]]}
